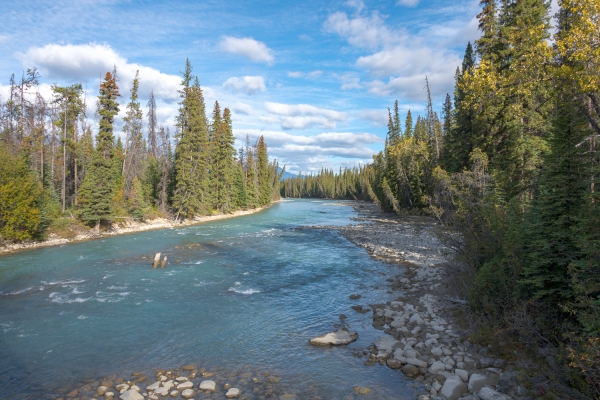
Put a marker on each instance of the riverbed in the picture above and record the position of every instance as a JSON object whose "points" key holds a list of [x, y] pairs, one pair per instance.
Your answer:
{"points": [[244, 294]]}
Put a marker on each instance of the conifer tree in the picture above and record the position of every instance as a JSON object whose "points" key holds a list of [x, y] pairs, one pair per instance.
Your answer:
{"points": [[98, 188], [487, 44], [133, 165], [408, 124], [190, 196], [264, 175]]}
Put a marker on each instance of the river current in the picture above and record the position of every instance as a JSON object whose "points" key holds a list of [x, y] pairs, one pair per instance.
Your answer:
{"points": [[247, 292]]}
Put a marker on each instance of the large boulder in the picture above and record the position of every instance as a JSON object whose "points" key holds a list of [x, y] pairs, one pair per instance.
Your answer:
{"points": [[453, 388], [335, 338]]}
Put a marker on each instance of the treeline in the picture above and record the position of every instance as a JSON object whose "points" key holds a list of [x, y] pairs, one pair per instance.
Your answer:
{"points": [[511, 169], [347, 184], [54, 170]]}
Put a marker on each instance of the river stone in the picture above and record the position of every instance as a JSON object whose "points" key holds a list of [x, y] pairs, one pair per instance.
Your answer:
{"points": [[410, 370], [185, 385], [188, 367], [208, 385], [436, 367], [162, 391], [123, 387], [453, 388], [385, 343], [109, 395], [462, 374], [273, 379], [335, 338], [288, 396], [394, 364], [232, 393], [182, 379], [477, 381], [361, 390], [487, 393], [355, 296], [154, 386], [175, 393], [188, 394], [131, 395], [101, 390]]}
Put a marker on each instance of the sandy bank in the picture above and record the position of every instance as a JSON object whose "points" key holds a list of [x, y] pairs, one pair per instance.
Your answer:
{"points": [[129, 226]]}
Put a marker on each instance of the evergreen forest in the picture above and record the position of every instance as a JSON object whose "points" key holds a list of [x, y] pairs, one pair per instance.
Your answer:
{"points": [[58, 177], [509, 169]]}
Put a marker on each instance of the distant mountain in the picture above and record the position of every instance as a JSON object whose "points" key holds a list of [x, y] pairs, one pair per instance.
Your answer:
{"points": [[287, 175]]}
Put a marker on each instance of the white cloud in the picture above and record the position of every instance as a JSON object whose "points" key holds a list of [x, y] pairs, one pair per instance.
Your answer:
{"points": [[302, 116], [246, 84], [307, 75], [306, 153], [377, 117], [91, 61], [349, 81], [364, 32], [408, 3], [242, 108], [247, 47], [358, 4]]}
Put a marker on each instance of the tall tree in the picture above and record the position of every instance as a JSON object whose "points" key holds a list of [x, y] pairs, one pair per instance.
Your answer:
{"points": [[97, 190]]}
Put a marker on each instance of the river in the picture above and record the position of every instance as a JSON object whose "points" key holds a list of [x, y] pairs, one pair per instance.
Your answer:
{"points": [[245, 293]]}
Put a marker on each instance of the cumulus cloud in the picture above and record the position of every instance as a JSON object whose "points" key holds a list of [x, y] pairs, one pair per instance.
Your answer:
{"points": [[307, 75], [247, 47], [242, 108], [246, 84], [377, 117], [358, 4], [91, 61], [300, 152], [403, 59], [362, 31], [302, 116], [408, 3]]}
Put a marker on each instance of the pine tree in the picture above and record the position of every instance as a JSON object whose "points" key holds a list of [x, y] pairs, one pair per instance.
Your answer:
{"points": [[408, 124], [190, 195], [487, 44], [133, 165], [550, 244], [264, 175], [98, 188]]}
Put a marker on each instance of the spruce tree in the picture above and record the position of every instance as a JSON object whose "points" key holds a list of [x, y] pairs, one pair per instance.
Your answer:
{"points": [[98, 188], [550, 243], [487, 44], [264, 175], [190, 195], [408, 124]]}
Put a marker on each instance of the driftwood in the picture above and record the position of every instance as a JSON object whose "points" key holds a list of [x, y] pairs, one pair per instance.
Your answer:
{"points": [[156, 260]]}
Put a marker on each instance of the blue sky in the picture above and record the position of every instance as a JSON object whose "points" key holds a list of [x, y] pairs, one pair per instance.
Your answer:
{"points": [[314, 77]]}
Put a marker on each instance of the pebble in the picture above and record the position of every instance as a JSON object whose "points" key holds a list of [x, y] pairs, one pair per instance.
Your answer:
{"points": [[232, 393]]}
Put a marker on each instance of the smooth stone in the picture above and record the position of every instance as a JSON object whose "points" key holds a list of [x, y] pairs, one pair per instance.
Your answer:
{"points": [[462, 374], [273, 379], [162, 391], [436, 367], [153, 397], [232, 393], [487, 393], [355, 296], [123, 387], [174, 393], [394, 364], [361, 390], [410, 370], [208, 385], [288, 396], [182, 379], [185, 385], [453, 388], [188, 394], [335, 338], [154, 386], [131, 395], [486, 362], [416, 362], [477, 381], [101, 390], [385, 343], [109, 395]]}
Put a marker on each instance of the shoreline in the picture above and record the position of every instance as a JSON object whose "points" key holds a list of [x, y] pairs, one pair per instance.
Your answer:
{"points": [[420, 334], [128, 228]]}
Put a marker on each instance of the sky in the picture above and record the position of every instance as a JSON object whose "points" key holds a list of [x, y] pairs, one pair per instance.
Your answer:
{"points": [[314, 77]]}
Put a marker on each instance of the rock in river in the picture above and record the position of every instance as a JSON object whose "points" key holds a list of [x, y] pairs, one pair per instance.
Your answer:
{"points": [[335, 338], [131, 395], [208, 385]]}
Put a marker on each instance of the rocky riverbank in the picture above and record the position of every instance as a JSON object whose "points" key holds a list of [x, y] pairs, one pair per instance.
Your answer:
{"points": [[124, 227], [419, 334]]}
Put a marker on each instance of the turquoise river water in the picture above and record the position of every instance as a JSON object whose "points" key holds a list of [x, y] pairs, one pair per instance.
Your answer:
{"points": [[241, 293]]}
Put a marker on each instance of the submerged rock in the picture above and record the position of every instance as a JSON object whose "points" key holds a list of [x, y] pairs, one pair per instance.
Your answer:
{"points": [[355, 296], [361, 390], [232, 393], [335, 338]]}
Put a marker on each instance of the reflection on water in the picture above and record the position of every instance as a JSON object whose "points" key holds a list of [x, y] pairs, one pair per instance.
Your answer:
{"points": [[249, 290]]}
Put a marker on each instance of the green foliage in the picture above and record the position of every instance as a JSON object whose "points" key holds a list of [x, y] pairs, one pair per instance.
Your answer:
{"points": [[20, 198]]}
